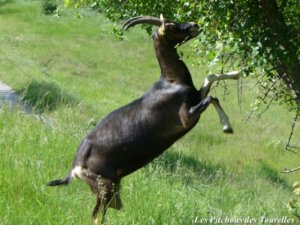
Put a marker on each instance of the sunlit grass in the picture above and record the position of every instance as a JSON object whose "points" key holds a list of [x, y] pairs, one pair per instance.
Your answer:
{"points": [[205, 174]]}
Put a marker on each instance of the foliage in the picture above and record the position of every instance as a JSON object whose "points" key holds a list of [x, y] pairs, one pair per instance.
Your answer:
{"points": [[257, 35], [294, 203], [49, 6]]}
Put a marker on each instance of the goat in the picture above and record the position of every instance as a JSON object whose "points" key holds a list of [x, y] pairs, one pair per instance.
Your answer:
{"points": [[133, 135]]}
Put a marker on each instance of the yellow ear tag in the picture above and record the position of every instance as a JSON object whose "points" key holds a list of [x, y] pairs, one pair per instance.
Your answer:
{"points": [[161, 31]]}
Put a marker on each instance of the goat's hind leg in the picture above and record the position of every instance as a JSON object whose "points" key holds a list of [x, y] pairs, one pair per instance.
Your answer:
{"points": [[201, 107], [96, 211], [107, 195], [94, 182]]}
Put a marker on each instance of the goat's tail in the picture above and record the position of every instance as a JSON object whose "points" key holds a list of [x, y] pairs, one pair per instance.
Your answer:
{"points": [[64, 181]]}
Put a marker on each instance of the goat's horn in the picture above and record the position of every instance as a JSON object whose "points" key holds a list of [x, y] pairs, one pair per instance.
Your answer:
{"points": [[161, 30], [142, 19]]}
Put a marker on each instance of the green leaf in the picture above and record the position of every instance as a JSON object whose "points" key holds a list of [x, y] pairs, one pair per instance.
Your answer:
{"points": [[67, 3]]}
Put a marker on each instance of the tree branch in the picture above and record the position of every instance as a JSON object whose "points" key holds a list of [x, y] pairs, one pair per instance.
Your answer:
{"points": [[288, 145], [262, 99], [290, 170]]}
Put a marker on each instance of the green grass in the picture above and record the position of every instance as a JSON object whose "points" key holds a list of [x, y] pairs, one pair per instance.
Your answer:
{"points": [[89, 73]]}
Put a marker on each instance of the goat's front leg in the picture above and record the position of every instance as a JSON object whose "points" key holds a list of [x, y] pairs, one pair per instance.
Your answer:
{"points": [[190, 115], [209, 80]]}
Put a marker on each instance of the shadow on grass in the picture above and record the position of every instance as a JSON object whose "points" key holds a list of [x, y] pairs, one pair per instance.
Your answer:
{"points": [[42, 96], [3, 2], [274, 176], [175, 163], [7, 10]]}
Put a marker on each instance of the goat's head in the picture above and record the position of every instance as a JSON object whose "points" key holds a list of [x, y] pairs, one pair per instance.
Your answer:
{"points": [[173, 33]]}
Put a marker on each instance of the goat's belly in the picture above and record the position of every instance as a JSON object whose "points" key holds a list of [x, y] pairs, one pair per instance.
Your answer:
{"points": [[127, 140], [137, 138], [128, 157], [118, 159], [136, 159]]}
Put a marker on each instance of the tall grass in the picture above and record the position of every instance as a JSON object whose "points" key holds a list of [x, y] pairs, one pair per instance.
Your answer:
{"points": [[44, 95], [88, 73]]}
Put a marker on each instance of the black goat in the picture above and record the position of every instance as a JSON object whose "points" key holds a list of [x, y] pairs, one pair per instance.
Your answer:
{"points": [[133, 135]]}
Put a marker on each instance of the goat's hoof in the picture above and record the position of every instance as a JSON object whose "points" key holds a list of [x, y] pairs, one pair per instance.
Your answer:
{"points": [[227, 130]]}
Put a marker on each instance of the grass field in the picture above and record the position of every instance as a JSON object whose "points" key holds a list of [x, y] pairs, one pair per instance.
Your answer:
{"points": [[74, 72]]}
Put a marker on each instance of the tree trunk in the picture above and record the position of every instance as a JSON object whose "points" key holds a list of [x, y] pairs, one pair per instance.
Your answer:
{"points": [[288, 65]]}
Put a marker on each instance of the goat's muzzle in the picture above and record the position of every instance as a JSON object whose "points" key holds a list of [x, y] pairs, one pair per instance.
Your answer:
{"points": [[194, 29]]}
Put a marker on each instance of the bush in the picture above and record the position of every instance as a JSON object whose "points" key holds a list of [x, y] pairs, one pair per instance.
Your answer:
{"points": [[3, 2], [42, 95], [49, 7]]}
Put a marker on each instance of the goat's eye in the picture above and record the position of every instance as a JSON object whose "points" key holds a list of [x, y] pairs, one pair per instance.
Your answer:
{"points": [[170, 26]]}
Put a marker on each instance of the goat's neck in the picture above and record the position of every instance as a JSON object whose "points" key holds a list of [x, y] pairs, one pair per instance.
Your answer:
{"points": [[173, 69]]}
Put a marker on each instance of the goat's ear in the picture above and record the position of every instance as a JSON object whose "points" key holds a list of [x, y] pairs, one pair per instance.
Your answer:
{"points": [[161, 29], [162, 18]]}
